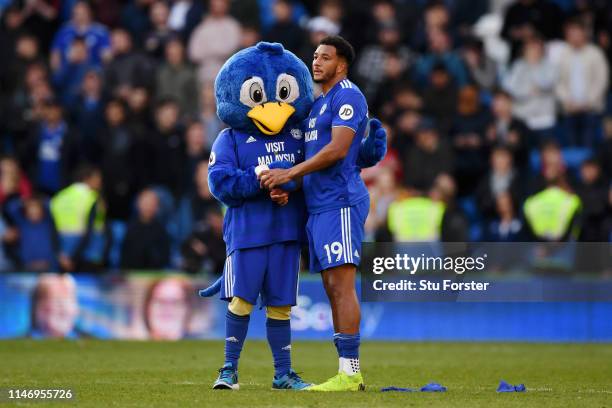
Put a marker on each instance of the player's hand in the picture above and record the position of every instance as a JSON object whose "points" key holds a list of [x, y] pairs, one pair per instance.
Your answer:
{"points": [[274, 177], [279, 196]]}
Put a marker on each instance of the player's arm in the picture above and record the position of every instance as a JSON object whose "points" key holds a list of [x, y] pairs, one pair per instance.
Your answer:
{"points": [[228, 183], [349, 109], [335, 150]]}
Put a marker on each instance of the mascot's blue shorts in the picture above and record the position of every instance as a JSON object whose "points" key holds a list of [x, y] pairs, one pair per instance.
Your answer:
{"points": [[271, 271], [334, 237]]}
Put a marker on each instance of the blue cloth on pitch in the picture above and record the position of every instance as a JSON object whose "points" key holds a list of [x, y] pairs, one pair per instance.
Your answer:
{"points": [[339, 185], [433, 387], [347, 345], [236, 328], [278, 333], [506, 387]]}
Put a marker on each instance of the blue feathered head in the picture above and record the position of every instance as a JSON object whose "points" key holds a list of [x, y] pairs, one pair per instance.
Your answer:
{"points": [[263, 89]]}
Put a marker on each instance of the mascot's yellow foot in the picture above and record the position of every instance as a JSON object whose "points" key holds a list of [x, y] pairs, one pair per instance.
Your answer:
{"points": [[340, 382]]}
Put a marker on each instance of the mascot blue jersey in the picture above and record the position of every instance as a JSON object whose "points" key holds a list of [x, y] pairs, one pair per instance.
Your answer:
{"points": [[340, 185], [258, 221]]}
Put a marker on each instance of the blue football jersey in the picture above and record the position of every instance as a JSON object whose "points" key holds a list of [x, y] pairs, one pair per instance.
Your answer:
{"points": [[339, 185], [258, 221]]}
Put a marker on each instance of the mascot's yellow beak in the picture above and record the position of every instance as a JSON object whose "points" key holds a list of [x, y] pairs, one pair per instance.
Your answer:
{"points": [[270, 117]]}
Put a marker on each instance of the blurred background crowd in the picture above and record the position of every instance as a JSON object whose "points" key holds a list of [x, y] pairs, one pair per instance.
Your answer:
{"points": [[498, 113]]}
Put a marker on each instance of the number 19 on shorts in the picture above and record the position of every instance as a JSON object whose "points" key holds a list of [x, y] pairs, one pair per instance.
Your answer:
{"points": [[333, 251]]}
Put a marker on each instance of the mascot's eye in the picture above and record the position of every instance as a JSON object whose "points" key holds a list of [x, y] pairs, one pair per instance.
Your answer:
{"points": [[256, 93], [287, 88], [252, 92]]}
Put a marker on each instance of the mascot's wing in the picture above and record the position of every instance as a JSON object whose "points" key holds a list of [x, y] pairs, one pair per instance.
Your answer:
{"points": [[228, 183], [374, 147]]}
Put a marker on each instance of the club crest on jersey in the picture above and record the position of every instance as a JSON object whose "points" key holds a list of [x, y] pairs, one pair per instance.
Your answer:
{"points": [[212, 159], [346, 112], [323, 109], [296, 133]]}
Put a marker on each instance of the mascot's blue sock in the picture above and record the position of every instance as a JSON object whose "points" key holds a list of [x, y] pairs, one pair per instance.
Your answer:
{"points": [[279, 339], [235, 333]]}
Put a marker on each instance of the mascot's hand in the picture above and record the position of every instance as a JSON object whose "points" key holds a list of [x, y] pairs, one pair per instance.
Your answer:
{"points": [[374, 147], [287, 187]]}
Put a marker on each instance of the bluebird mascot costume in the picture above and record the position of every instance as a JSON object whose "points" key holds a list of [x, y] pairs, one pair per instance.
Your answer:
{"points": [[264, 93]]}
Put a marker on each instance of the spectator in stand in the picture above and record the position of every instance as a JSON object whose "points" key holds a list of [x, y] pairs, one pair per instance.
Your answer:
{"points": [[204, 249], [197, 152], [8, 237], [156, 39], [13, 182], [135, 19], [553, 170], [117, 152], [482, 69], [506, 129], [193, 205], [440, 51], [68, 79], [468, 139], [373, 65], [383, 192], [593, 191], [27, 52], [582, 85], [129, 68], [185, 16], [531, 82], [208, 115], [79, 214], [214, 40], [96, 38], [249, 37], [506, 226], [429, 157], [502, 178], [318, 28], [87, 113], [37, 245], [176, 79], [169, 147], [435, 16], [440, 99], [26, 106], [146, 244], [390, 162], [284, 30], [454, 223], [51, 151], [524, 18]]}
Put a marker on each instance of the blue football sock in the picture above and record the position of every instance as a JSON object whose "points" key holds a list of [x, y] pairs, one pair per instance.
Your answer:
{"points": [[348, 352], [347, 345], [279, 339], [235, 333]]}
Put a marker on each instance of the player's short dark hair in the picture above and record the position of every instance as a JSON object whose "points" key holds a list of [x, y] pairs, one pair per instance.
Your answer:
{"points": [[343, 48]]}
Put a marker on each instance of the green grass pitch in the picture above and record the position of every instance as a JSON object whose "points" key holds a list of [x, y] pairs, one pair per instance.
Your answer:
{"points": [[135, 374]]}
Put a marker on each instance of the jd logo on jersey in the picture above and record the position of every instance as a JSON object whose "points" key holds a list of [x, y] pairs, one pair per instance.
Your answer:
{"points": [[346, 112]]}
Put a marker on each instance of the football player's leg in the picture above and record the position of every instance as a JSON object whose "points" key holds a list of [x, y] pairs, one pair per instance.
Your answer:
{"points": [[279, 294], [342, 255], [241, 283]]}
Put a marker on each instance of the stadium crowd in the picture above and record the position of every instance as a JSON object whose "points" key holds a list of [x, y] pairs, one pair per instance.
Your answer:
{"points": [[498, 113]]}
